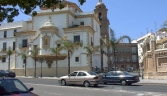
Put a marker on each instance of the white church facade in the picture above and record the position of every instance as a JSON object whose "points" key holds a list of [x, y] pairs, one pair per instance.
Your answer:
{"points": [[42, 32]]}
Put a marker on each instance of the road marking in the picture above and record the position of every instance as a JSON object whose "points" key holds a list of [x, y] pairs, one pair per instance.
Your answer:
{"points": [[139, 94], [99, 89], [55, 94]]}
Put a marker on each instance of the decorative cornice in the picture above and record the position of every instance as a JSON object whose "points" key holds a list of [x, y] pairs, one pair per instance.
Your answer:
{"points": [[69, 12], [31, 32], [83, 28], [164, 40], [46, 28], [6, 38], [56, 12], [29, 21], [89, 15]]}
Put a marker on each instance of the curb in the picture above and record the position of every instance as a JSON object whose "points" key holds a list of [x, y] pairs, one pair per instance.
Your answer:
{"points": [[151, 83], [38, 77]]}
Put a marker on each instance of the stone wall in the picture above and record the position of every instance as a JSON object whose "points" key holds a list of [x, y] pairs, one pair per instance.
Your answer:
{"points": [[48, 72]]}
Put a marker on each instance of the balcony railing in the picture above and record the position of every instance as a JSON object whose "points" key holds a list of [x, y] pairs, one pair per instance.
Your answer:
{"points": [[22, 46]]}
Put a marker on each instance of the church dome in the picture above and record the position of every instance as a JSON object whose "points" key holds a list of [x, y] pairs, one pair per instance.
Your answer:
{"points": [[100, 3]]}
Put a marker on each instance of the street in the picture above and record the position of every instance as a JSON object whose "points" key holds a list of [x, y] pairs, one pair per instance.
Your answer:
{"points": [[50, 87]]}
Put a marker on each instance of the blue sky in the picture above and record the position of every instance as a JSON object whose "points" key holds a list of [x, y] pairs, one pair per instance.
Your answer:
{"points": [[128, 17]]}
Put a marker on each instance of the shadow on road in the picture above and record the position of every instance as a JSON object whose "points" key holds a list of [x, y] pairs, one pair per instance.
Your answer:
{"points": [[123, 85], [99, 86]]}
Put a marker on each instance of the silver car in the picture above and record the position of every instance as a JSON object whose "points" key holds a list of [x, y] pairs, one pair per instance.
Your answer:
{"points": [[86, 78]]}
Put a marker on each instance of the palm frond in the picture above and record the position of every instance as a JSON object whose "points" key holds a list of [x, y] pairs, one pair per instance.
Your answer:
{"points": [[124, 37], [34, 52], [88, 49], [9, 51], [78, 43], [56, 50]]}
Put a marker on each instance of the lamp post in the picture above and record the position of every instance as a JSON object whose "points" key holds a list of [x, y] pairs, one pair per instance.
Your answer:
{"points": [[41, 60]]}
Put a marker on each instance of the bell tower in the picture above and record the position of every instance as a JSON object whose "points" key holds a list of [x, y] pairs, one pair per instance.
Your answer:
{"points": [[101, 12]]}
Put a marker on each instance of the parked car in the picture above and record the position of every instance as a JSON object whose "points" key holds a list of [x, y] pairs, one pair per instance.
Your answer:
{"points": [[119, 77], [86, 78], [14, 87], [7, 73]]}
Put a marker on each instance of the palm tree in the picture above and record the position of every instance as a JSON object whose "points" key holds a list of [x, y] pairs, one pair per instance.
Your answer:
{"points": [[69, 47], [91, 50], [34, 54], [9, 52], [24, 56], [56, 51], [113, 45]]}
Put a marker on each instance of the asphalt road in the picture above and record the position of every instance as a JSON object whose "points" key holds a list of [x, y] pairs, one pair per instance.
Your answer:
{"points": [[50, 87]]}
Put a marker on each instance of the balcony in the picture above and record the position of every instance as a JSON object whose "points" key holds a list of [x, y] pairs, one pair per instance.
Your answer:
{"points": [[23, 47], [3, 49]]}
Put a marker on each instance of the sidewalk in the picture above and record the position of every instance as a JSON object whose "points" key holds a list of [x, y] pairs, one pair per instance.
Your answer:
{"points": [[152, 81]]}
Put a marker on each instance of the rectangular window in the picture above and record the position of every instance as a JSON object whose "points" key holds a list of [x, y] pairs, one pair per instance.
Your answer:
{"points": [[5, 34], [13, 45], [82, 23], [76, 38], [76, 59], [14, 32], [3, 59], [25, 43], [4, 46], [91, 41]]}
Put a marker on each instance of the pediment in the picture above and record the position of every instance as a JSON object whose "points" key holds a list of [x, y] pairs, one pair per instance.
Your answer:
{"points": [[49, 27]]}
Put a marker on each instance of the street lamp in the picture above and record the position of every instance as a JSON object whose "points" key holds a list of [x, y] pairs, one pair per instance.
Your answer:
{"points": [[41, 60]]}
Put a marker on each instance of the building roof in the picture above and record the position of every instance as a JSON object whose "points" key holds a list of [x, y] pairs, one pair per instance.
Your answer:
{"points": [[100, 3], [141, 38]]}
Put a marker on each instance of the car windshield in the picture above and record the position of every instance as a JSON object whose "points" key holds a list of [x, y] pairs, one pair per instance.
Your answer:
{"points": [[12, 86], [2, 71], [126, 73], [8, 71], [92, 73]]}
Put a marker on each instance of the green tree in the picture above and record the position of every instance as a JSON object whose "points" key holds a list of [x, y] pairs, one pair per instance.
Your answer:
{"points": [[34, 54], [91, 50], [10, 8], [9, 52], [24, 57], [56, 51], [69, 47]]}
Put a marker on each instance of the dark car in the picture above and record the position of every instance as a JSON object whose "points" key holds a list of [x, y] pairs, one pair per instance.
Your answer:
{"points": [[7, 73], [14, 87], [119, 77]]}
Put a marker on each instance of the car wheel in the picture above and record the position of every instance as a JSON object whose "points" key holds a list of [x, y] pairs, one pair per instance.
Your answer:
{"points": [[123, 82], [63, 82], [95, 85], [86, 84], [129, 83]]}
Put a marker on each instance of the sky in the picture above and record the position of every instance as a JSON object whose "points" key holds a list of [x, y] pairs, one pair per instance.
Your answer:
{"points": [[128, 17]]}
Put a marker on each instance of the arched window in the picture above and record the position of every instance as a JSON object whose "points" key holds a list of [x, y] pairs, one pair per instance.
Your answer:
{"points": [[100, 16]]}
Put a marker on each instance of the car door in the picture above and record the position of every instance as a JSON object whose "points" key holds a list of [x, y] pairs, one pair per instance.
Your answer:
{"points": [[108, 78], [80, 78], [117, 76], [71, 79], [1, 75]]}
